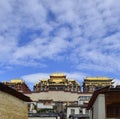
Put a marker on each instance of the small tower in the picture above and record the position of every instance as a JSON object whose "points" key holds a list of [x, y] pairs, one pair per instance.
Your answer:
{"points": [[19, 85], [91, 84], [57, 82]]}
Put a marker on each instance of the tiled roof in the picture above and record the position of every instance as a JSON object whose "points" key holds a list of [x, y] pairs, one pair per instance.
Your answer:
{"points": [[6, 89], [104, 90], [97, 78]]}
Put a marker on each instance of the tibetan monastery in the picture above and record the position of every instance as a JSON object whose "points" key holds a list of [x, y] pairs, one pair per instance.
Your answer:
{"points": [[57, 82], [19, 85], [90, 84]]}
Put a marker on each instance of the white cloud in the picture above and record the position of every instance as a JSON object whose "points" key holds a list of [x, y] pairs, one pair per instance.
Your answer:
{"points": [[79, 76], [116, 82], [41, 48], [34, 78], [88, 31]]}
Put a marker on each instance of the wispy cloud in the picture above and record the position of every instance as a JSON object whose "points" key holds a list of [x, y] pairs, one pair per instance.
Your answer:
{"points": [[34, 78], [86, 32]]}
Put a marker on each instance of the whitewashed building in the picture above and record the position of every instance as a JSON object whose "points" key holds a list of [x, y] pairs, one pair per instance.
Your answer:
{"points": [[105, 104], [79, 110], [72, 110]]}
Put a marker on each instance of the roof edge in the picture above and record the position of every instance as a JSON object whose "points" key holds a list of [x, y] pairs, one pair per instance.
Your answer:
{"points": [[14, 93]]}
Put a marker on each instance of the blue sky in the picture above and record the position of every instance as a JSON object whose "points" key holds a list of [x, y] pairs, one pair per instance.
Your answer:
{"points": [[39, 37]]}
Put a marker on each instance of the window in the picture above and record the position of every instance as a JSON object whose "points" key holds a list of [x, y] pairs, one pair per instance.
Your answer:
{"points": [[80, 111], [86, 111], [72, 111], [84, 98]]}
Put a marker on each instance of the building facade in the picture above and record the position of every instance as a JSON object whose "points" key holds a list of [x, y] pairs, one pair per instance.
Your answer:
{"points": [[60, 99], [91, 84], [79, 111], [72, 110], [12, 103], [105, 104], [19, 85], [57, 82]]}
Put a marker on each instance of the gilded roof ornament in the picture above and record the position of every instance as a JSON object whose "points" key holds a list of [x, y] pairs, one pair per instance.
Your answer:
{"points": [[57, 74], [16, 81], [97, 78]]}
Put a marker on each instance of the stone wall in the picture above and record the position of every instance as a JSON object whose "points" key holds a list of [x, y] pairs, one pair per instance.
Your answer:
{"points": [[12, 107], [57, 96]]}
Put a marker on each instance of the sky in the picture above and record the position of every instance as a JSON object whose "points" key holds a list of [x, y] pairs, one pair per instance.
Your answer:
{"points": [[80, 38]]}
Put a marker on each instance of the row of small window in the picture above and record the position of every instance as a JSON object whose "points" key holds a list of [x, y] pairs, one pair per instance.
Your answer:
{"points": [[84, 98], [80, 111]]}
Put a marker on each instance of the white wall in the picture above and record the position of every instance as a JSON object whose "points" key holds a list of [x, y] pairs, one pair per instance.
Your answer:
{"points": [[99, 108], [57, 96], [75, 108], [42, 106]]}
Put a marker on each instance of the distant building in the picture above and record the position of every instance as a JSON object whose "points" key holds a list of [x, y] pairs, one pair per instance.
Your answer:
{"points": [[75, 112], [105, 104], [12, 103], [79, 111], [84, 99], [83, 102], [57, 82], [45, 104], [60, 99], [91, 84], [73, 109], [19, 85], [59, 89]]}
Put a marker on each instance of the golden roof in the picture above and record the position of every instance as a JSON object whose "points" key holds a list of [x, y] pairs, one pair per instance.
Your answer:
{"points": [[16, 81], [97, 78], [44, 80], [71, 80], [57, 74]]}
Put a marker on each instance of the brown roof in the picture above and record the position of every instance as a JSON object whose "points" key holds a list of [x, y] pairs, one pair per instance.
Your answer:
{"points": [[11, 91], [104, 90], [94, 96]]}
